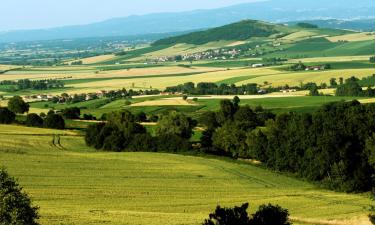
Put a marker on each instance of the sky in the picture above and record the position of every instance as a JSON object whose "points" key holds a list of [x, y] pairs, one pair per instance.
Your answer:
{"points": [[31, 14]]}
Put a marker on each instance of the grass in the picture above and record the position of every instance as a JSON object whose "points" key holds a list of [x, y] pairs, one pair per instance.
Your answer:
{"points": [[281, 105], [75, 185]]}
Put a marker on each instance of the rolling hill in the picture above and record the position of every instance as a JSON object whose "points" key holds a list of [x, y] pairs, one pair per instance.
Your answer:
{"points": [[272, 10], [237, 31]]}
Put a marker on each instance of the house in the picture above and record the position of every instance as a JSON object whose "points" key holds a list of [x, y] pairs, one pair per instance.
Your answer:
{"points": [[315, 68], [257, 65]]}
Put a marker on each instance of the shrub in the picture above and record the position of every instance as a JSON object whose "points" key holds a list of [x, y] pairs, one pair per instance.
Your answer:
{"points": [[141, 117], [142, 143], [18, 105], [89, 117], [71, 113], [269, 214], [54, 121], [15, 205], [229, 216], [266, 215], [33, 120], [6, 116], [172, 143]]}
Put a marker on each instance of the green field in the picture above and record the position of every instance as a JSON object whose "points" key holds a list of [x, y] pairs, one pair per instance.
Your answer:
{"points": [[75, 185]]}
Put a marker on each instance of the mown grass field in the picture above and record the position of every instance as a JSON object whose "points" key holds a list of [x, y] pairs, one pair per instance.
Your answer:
{"points": [[76, 185]]}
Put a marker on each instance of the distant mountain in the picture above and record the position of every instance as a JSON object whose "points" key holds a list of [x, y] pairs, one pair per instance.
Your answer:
{"points": [[358, 25], [237, 31], [272, 11]]}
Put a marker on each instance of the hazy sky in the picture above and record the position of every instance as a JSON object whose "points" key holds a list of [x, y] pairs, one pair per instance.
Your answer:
{"points": [[28, 14]]}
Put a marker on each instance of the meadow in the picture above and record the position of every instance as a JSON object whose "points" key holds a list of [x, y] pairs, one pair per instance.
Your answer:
{"points": [[73, 184]]}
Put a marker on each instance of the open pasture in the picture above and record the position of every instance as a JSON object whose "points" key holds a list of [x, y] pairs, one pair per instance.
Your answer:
{"points": [[72, 184]]}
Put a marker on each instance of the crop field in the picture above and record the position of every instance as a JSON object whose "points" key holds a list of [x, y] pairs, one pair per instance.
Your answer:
{"points": [[365, 36], [75, 185], [295, 78], [97, 59]]}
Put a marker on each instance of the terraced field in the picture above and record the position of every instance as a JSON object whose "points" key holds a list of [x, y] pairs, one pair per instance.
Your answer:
{"points": [[75, 185]]}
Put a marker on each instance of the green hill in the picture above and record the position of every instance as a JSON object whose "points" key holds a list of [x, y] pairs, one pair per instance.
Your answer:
{"points": [[237, 31]]}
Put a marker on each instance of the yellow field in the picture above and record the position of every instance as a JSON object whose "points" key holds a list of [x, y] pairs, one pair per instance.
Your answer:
{"points": [[165, 70], [332, 59], [298, 36], [163, 82], [165, 102], [365, 36], [97, 59], [7, 67], [295, 78]]}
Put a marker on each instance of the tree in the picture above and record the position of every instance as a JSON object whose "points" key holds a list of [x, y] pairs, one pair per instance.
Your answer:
{"points": [[6, 116], [54, 121], [18, 105], [333, 82], [176, 124], [229, 216], [33, 120], [270, 215], [227, 111], [370, 152], [266, 215], [141, 117], [15, 206], [314, 91], [71, 113]]}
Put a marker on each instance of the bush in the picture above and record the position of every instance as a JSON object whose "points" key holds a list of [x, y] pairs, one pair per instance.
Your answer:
{"points": [[71, 113], [6, 116], [33, 120], [89, 117], [266, 215], [54, 121], [142, 143], [15, 205], [269, 214], [172, 143], [229, 216], [141, 117], [18, 105]]}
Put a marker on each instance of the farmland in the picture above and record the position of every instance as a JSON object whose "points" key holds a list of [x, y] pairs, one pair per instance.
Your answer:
{"points": [[151, 188], [75, 184]]}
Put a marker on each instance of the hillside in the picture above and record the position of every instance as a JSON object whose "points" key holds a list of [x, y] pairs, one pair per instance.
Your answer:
{"points": [[74, 185], [202, 19], [237, 31]]}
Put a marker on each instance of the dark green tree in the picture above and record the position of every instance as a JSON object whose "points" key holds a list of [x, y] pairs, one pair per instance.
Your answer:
{"points": [[71, 113], [54, 121], [34, 120], [6, 116], [18, 105], [229, 216], [176, 124], [15, 206], [270, 215]]}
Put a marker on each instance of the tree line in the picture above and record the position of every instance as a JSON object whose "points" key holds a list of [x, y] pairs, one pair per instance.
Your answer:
{"points": [[122, 132], [334, 146], [206, 88], [34, 84]]}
